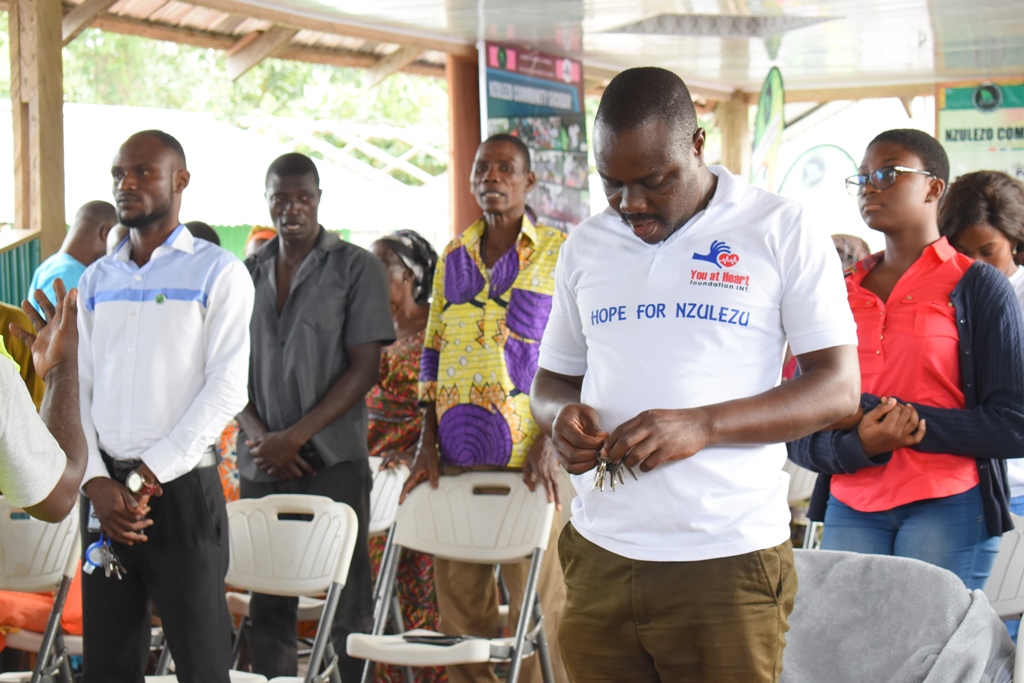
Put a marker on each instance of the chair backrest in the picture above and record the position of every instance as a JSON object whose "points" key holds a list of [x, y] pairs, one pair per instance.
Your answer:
{"points": [[801, 482], [34, 555], [484, 517], [860, 617], [290, 544], [387, 487], [1005, 586]]}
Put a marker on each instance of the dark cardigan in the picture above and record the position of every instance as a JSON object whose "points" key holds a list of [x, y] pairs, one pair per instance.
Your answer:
{"points": [[991, 425]]}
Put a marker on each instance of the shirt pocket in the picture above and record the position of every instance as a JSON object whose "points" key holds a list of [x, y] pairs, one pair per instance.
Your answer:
{"points": [[935, 319], [869, 316], [321, 326]]}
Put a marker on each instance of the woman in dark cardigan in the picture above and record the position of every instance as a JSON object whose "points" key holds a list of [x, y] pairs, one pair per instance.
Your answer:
{"points": [[918, 472]]}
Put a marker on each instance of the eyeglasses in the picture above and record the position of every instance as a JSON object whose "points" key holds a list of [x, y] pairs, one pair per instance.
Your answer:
{"points": [[879, 178]]}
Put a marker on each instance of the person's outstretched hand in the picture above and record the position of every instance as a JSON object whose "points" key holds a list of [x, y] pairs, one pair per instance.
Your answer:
{"points": [[56, 339]]}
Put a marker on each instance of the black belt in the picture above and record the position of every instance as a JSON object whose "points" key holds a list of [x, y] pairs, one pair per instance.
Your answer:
{"points": [[120, 469]]}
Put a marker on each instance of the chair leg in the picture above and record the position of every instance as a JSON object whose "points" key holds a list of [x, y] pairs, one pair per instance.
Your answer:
{"points": [[383, 593], [543, 653], [163, 663], [525, 617], [368, 668], [385, 588], [811, 541], [236, 646], [65, 660], [397, 622], [502, 588], [46, 655], [330, 656], [322, 643]]}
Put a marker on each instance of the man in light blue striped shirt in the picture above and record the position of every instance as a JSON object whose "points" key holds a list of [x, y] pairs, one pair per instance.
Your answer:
{"points": [[164, 357]]}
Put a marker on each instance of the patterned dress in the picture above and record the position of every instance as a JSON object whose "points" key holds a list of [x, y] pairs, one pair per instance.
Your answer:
{"points": [[395, 426], [227, 460]]}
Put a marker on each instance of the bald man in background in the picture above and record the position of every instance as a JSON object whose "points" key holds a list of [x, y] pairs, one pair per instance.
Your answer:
{"points": [[85, 242]]}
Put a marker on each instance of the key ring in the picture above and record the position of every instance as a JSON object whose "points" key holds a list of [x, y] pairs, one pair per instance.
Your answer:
{"points": [[94, 554]]}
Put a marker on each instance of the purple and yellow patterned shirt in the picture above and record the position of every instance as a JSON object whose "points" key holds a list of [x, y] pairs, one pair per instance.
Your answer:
{"points": [[481, 346]]}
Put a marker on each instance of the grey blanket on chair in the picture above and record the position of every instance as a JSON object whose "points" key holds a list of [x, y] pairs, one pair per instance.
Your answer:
{"points": [[874, 619]]}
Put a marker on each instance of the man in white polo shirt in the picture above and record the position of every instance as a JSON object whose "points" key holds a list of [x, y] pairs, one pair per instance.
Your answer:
{"points": [[664, 349], [163, 363]]}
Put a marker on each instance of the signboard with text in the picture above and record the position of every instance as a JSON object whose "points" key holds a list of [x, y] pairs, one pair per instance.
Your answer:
{"points": [[981, 126], [538, 97]]}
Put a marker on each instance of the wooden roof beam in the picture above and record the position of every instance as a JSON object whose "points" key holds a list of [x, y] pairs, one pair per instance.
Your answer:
{"points": [[80, 17], [188, 36], [392, 63], [171, 34], [345, 27], [316, 55], [861, 92], [258, 49]]}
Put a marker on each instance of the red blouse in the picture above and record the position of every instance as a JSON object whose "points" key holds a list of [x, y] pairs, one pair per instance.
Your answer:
{"points": [[909, 348]]}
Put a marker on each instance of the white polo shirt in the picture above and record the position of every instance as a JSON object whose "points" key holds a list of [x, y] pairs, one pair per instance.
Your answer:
{"points": [[700, 318], [163, 353]]}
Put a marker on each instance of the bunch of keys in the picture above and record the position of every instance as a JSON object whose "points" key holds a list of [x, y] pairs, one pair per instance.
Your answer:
{"points": [[607, 469], [100, 554]]}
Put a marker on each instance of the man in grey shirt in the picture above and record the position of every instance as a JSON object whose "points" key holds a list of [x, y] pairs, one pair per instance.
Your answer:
{"points": [[321, 315]]}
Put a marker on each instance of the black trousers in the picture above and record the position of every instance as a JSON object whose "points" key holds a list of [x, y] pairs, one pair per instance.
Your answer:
{"points": [[181, 569], [273, 646]]}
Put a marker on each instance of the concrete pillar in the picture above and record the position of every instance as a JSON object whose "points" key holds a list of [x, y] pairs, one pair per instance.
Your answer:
{"points": [[463, 138]]}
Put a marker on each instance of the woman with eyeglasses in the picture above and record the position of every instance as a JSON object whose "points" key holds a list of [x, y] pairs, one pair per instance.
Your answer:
{"points": [[918, 472]]}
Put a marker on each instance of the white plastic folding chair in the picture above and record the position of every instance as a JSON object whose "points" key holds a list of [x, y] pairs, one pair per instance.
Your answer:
{"points": [[1005, 586], [801, 486], [276, 550], [36, 557], [483, 517], [860, 617], [292, 545], [387, 489]]}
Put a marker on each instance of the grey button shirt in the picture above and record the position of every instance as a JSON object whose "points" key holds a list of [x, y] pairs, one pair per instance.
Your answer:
{"points": [[339, 298]]}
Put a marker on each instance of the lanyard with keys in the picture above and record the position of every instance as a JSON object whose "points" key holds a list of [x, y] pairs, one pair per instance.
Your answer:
{"points": [[100, 554]]}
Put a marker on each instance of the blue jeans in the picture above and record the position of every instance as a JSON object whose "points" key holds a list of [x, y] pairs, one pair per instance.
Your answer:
{"points": [[947, 532], [1017, 506]]}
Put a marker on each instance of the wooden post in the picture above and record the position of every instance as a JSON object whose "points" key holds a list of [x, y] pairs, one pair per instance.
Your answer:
{"points": [[37, 113], [734, 122], [463, 138]]}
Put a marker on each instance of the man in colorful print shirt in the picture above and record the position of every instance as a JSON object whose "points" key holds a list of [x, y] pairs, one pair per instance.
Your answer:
{"points": [[492, 298]]}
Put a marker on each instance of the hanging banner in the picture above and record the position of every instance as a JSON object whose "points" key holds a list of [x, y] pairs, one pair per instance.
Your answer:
{"points": [[981, 125], [768, 127], [538, 97]]}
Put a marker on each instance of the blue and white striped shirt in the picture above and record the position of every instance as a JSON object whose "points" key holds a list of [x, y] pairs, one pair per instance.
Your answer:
{"points": [[163, 353]]}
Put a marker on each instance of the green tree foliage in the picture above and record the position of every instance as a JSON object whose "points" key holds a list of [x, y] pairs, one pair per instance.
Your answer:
{"points": [[111, 68]]}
